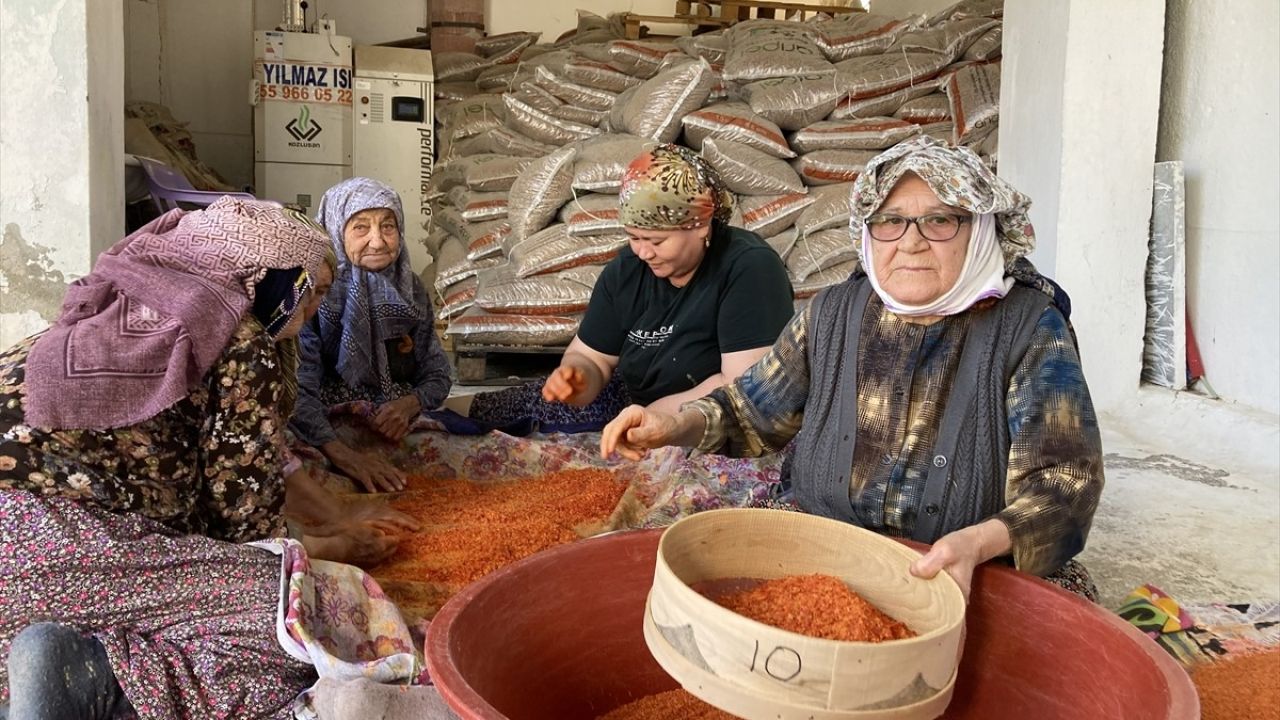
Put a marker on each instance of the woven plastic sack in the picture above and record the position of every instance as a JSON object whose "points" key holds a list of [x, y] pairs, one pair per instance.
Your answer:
{"points": [[457, 66], [941, 131], [553, 61], [506, 141], [497, 78], [968, 8], [449, 219], [783, 241], [794, 102], [473, 116], [599, 75], [536, 97], [828, 167], [480, 206], [476, 145], [950, 40], [485, 239], [932, 108], [819, 251], [856, 34], [462, 270], [504, 42], [639, 58], [477, 327], [455, 91], [712, 47], [832, 205], [573, 93], [768, 215], [537, 195], [872, 75], [491, 173], [593, 28], [748, 171], [988, 46], [735, 121], [654, 109], [452, 253], [592, 214], [562, 293], [543, 126], [974, 93], [760, 49], [553, 249], [853, 134], [817, 281], [602, 160], [882, 105], [457, 298]]}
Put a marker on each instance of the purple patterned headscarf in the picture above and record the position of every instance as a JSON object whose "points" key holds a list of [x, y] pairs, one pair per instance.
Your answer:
{"points": [[364, 309], [154, 315]]}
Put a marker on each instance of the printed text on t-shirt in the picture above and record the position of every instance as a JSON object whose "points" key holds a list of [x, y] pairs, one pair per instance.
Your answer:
{"points": [[650, 338]]}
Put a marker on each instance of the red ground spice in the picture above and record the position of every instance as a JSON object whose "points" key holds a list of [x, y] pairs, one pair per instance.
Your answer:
{"points": [[1244, 688], [815, 605], [671, 705], [471, 529]]}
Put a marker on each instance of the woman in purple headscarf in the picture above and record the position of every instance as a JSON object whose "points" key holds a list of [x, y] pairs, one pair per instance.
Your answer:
{"points": [[374, 338]]}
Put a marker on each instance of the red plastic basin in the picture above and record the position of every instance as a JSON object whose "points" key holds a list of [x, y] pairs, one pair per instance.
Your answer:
{"points": [[558, 636]]}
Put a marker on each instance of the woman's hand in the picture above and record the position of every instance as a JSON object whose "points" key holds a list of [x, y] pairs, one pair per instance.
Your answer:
{"points": [[565, 384], [637, 429], [356, 543], [373, 473], [383, 516], [961, 551], [393, 418]]}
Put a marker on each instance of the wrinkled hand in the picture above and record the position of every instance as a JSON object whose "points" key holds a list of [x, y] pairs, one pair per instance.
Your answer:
{"points": [[373, 473], [636, 430], [363, 544], [393, 418], [565, 384], [958, 553], [384, 517]]}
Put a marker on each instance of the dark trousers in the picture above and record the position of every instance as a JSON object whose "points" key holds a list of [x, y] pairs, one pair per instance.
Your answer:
{"points": [[58, 673]]}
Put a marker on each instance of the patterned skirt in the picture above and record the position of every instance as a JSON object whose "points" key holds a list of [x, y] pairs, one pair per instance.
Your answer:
{"points": [[521, 410], [188, 622]]}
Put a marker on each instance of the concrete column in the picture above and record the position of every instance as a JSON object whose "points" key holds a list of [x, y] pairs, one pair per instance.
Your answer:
{"points": [[61, 151], [1079, 115]]}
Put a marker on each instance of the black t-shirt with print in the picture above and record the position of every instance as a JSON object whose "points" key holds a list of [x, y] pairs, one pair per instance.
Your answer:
{"points": [[669, 339]]}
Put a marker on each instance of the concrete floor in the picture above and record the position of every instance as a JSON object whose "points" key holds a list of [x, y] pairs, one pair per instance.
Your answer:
{"points": [[1192, 503]]}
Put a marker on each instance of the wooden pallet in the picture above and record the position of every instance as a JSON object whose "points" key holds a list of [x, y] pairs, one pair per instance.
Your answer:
{"points": [[738, 10], [700, 23], [504, 364]]}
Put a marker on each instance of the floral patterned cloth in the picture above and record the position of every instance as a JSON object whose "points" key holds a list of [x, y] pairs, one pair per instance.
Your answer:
{"points": [[186, 621], [672, 188], [958, 177], [209, 464], [336, 618]]}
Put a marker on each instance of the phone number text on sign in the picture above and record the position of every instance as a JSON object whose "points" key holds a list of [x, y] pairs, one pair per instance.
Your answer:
{"points": [[304, 82], [304, 94]]}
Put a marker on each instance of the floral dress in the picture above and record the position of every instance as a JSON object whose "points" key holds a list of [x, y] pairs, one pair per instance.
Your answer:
{"points": [[120, 533]]}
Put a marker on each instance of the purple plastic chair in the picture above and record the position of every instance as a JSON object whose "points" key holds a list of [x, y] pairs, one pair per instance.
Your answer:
{"points": [[169, 188]]}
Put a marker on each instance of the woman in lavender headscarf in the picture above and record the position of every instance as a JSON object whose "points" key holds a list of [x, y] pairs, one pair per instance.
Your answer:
{"points": [[374, 339]]}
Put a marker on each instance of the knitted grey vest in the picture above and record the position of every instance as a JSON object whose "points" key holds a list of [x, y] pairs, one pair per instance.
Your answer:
{"points": [[967, 481]]}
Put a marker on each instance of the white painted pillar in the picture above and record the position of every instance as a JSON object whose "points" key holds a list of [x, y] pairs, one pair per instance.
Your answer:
{"points": [[61, 151], [1079, 115]]}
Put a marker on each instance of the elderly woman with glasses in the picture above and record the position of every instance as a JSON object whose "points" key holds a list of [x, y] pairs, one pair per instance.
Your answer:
{"points": [[936, 395]]}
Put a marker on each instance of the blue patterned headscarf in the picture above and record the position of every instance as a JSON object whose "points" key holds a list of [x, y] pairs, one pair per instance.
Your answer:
{"points": [[365, 309]]}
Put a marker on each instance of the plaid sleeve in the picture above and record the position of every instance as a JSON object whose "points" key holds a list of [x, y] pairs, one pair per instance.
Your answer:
{"points": [[1055, 472], [761, 411]]}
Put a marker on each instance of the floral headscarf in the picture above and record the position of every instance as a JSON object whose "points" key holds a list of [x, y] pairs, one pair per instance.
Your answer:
{"points": [[158, 308], [671, 188], [364, 308], [958, 177]]}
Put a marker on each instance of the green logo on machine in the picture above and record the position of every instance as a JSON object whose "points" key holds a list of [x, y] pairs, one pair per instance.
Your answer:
{"points": [[303, 129]]}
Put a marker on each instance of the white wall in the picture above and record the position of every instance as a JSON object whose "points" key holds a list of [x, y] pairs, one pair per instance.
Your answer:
{"points": [[61, 151], [555, 17], [1221, 116], [900, 8]]}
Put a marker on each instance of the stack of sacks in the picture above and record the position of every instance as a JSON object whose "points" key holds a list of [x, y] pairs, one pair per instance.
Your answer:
{"points": [[789, 113]]}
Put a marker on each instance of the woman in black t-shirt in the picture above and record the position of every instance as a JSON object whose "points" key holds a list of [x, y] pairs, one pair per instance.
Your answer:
{"points": [[688, 306]]}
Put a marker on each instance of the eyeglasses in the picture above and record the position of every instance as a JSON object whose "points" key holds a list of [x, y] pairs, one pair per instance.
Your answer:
{"points": [[938, 227]]}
